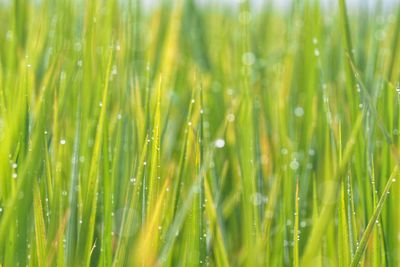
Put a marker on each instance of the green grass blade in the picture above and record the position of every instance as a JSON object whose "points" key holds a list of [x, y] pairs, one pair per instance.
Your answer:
{"points": [[373, 220]]}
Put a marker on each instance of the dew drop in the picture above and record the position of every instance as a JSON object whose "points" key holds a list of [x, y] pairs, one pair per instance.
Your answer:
{"points": [[9, 35], [230, 117], [258, 199], [294, 164], [248, 58], [299, 112], [219, 143], [114, 70]]}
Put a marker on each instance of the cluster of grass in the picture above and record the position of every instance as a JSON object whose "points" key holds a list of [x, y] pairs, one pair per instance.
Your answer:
{"points": [[184, 135]]}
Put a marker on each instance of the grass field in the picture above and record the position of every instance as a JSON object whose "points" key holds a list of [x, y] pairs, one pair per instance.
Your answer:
{"points": [[199, 135]]}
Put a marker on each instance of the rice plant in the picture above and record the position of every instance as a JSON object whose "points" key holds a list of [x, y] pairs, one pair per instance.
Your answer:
{"points": [[199, 133]]}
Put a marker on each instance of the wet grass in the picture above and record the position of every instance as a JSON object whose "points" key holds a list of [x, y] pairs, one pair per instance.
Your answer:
{"points": [[187, 135]]}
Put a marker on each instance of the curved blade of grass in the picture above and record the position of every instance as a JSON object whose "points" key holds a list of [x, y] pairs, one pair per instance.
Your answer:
{"points": [[85, 241], [372, 221], [296, 228], [40, 231], [314, 241]]}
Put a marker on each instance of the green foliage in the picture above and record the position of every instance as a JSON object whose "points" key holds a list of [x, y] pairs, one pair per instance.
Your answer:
{"points": [[186, 134]]}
